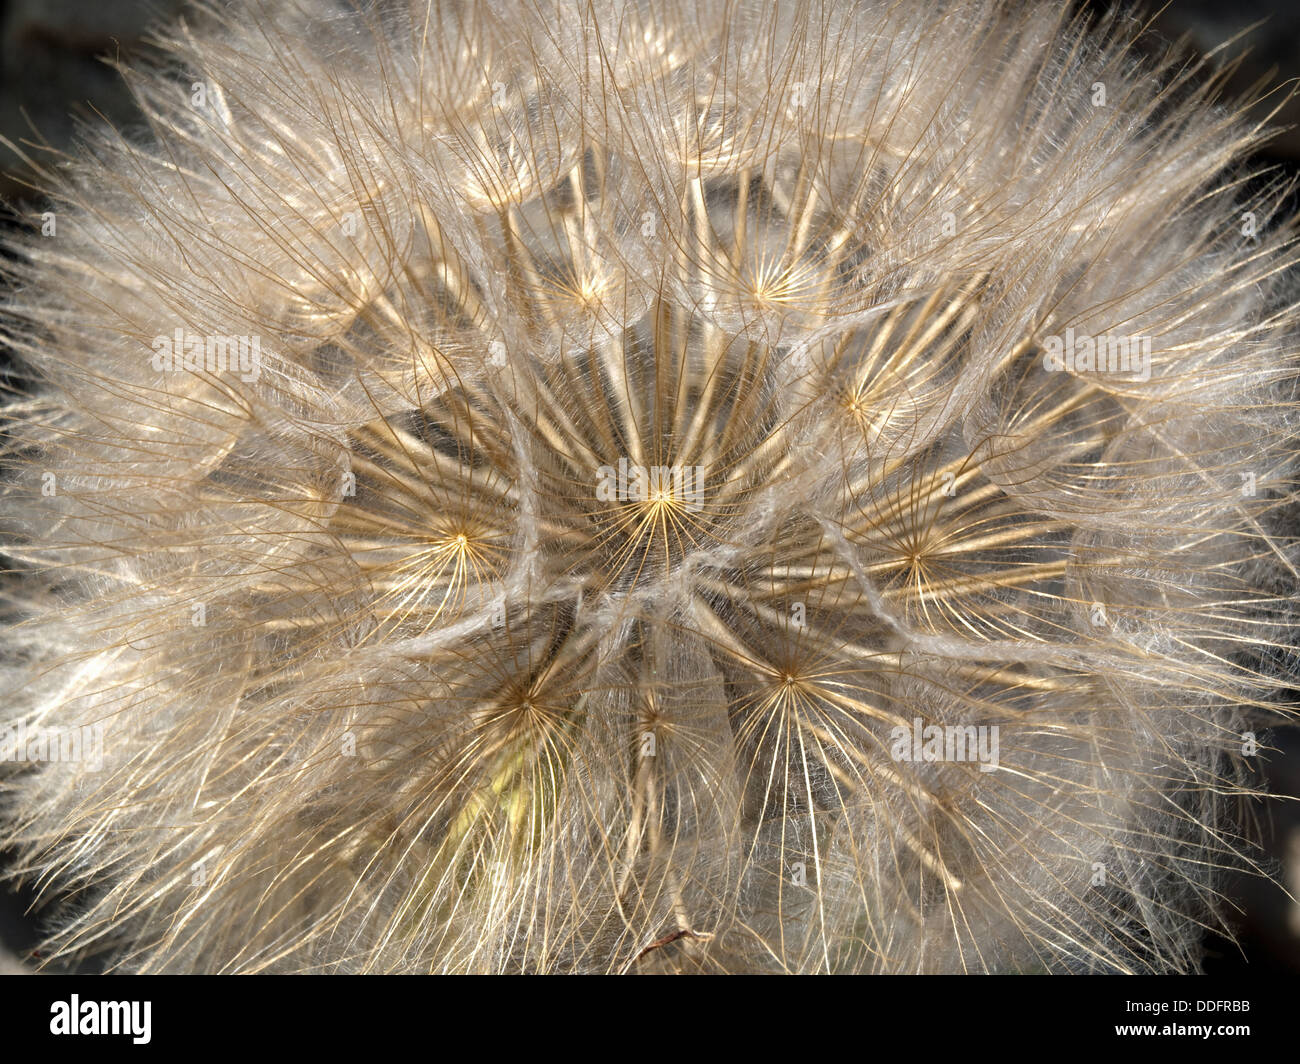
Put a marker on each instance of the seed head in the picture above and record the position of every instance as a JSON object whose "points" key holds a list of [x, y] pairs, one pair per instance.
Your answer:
{"points": [[665, 485]]}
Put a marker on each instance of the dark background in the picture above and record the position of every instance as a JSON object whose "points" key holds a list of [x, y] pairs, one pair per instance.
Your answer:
{"points": [[51, 68]]}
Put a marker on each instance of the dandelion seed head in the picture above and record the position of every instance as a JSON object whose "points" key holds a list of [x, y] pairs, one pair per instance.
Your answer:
{"points": [[650, 531]]}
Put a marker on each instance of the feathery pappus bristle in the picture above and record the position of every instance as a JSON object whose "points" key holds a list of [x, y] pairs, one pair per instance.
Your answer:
{"points": [[658, 485]]}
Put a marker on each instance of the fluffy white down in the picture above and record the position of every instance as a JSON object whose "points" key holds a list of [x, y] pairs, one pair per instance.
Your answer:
{"points": [[386, 683]]}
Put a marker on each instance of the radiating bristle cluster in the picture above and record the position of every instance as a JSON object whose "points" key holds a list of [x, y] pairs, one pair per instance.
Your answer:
{"points": [[691, 486]]}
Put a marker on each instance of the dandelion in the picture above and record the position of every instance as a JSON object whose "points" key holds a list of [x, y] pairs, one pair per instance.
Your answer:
{"points": [[650, 444]]}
